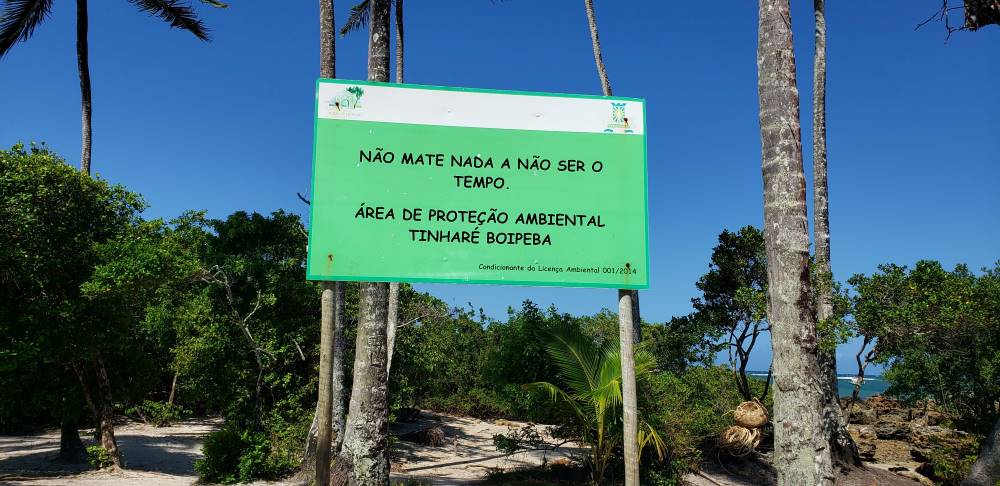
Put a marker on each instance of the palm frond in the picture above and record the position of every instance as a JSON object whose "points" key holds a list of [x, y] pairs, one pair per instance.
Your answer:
{"points": [[175, 13], [358, 18], [556, 393], [647, 436], [19, 19], [577, 359], [215, 3]]}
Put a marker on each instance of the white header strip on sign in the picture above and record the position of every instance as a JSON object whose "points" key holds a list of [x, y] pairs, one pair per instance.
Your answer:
{"points": [[480, 109]]}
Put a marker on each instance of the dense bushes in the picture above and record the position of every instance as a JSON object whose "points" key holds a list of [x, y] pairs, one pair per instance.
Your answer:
{"points": [[239, 456]]}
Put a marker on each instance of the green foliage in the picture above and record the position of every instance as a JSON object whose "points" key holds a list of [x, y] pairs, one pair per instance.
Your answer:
{"points": [[98, 457], [239, 456], [690, 409], [922, 320], [592, 391], [733, 304], [158, 413], [950, 463]]}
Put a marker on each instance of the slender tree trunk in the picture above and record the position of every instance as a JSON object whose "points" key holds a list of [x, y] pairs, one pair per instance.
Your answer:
{"points": [[629, 323], [324, 408], [106, 410], [327, 40], [337, 398], [801, 452], [842, 447], [596, 44], [986, 470], [173, 389], [364, 457], [393, 322], [83, 65], [629, 412], [326, 399], [399, 48]]}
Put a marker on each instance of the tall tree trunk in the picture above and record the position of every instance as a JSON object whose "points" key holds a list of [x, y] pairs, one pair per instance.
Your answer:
{"points": [[399, 46], [842, 446], [83, 66], [595, 42], [986, 469], [629, 412], [364, 457], [801, 452], [337, 397], [107, 414], [629, 324], [324, 407], [326, 399], [390, 334]]}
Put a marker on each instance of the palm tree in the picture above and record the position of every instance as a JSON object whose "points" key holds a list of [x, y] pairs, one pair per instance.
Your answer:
{"points": [[358, 19], [364, 455], [842, 447], [801, 452], [594, 380], [20, 18], [629, 323]]}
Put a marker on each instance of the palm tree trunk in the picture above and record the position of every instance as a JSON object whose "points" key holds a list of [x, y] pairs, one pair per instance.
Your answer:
{"points": [[326, 400], [83, 66], [629, 412], [71, 448], [364, 458], [399, 47], [596, 44], [986, 470], [337, 397], [393, 322], [324, 407], [627, 318], [801, 452], [842, 446]]}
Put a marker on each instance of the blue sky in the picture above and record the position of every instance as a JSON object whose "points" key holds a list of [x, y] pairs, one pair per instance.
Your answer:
{"points": [[227, 125]]}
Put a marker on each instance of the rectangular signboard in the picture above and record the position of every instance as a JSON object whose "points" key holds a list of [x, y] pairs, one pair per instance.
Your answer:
{"points": [[431, 184]]}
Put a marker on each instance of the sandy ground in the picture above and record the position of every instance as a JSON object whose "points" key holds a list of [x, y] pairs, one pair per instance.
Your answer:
{"points": [[153, 456], [468, 453], [166, 455]]}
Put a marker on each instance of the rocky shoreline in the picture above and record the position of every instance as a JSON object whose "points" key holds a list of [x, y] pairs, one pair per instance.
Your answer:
{"points": [[912, 441]]}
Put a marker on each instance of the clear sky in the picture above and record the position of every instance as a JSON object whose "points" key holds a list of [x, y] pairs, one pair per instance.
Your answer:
{"points": [[914, 122]]}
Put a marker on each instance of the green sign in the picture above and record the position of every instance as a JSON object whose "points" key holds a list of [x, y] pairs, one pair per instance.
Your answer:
{"points": [[430, 184]]}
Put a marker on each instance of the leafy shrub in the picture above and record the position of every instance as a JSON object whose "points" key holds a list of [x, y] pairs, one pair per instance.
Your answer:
{"points": [[950, 463], [690, 409], [240, 456], [158, 413], [98, 457]]}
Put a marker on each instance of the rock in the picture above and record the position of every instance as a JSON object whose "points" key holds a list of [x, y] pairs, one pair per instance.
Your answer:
{"points": [[865, 438], [892, 430], [906, 473], [433, 436], [924, 440]]}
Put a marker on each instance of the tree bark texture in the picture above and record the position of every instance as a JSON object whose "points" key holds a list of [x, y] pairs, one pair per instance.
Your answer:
{"points": [[801, 452], [986, 470], [629, 401], [393, 322], [107, 414], [324, 407], [327, 40], [366, 444], [83, 66], [596, 44], [399, 42], [842, 446]]}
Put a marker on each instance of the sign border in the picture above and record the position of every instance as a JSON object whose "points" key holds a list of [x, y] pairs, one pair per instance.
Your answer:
{"points": [[353, 278]]}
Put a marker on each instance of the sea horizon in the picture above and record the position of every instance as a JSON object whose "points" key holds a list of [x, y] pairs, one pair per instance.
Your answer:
{"points": [[873, 384]]}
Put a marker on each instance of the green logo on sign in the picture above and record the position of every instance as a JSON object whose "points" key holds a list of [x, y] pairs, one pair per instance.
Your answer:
{"points": [[348, 99]]}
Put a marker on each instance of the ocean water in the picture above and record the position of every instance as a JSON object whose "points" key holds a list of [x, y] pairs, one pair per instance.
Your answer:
{"points": [[873, 384]]}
